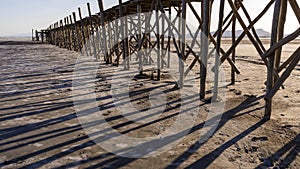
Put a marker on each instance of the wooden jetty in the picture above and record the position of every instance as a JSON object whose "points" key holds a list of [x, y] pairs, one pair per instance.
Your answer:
{"points": [[113, 35]]}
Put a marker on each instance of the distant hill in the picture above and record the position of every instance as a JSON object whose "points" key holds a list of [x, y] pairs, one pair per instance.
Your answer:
{"points": [[260, 33]]}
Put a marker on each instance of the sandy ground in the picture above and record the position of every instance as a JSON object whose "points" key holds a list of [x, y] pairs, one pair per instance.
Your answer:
{"points": [[40, 129]]}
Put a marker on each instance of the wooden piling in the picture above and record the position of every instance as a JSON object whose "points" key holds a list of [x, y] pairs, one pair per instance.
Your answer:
{"points": [[217, 55], [204, 48], [271, 60]]}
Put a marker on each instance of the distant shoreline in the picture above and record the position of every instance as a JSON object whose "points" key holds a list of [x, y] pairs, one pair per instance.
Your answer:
{"points": [[15, 37]]}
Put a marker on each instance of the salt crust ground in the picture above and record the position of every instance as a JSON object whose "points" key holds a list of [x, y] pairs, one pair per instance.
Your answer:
{"points": [[39, 126]]}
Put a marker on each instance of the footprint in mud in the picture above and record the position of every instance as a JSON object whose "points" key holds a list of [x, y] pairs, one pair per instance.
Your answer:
{"points": [[255, 139]]}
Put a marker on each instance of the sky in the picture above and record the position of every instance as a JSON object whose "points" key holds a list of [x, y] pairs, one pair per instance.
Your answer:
{"points": [[19, 17]]}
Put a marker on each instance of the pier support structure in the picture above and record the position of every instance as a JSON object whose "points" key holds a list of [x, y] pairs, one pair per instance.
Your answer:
{"points": [[118, 34]]}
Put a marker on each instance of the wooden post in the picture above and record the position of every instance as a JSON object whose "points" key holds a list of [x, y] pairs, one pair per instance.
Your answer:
{"points": [[140, 56], [217, 56], [122, 33], [98, 39], [70, 33], [127, 53], [280, 32], [109, 42], [270, 78], [102, 20], [233, 51], [92, 31], [67, 33], [42, 36], [158, 39], [82, 32], [32, 35], [49, 36], [116, 38], [73, 39], [169, 37], [37, 35], [162, 41], [77, 33], [204, 42], [62, 29], [57, 34], [183, 41]]}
